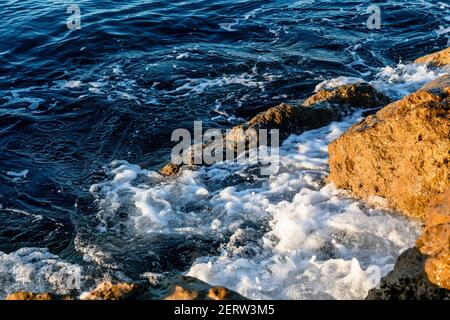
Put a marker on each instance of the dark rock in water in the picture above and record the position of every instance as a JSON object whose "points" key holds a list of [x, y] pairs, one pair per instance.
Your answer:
{"points": [[288, 120], [408, 281], [250, 112], [357, 95]]}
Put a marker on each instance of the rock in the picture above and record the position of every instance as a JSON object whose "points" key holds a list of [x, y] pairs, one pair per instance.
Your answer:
{"points": [[437, 59], [288, 120], [435, 241], [169, 169], [357, 95], [36, 296], [438, 210], [188, 288], [401, 153], [408, 281], [110, 291], [172, 288], [317, 111]]}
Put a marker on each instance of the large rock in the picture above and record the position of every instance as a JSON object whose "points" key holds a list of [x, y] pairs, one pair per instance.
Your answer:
{"points": [[408, 281], [401, 153], [437, 59]]}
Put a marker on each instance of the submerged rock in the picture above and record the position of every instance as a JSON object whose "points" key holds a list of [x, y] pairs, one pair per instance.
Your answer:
{"points": [[401, 153], [408, 281]]}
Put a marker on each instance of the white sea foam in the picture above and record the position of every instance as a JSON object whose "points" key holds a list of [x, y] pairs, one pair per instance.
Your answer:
{"points": [[396, 81], [37, 270], [318, 243], [198, 86]]}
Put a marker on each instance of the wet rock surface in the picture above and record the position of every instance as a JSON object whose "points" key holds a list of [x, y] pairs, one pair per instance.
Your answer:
{"points": [[400, 153]]}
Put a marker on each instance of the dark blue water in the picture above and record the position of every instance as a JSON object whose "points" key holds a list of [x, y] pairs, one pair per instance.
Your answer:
{"points": [[71, 101]]}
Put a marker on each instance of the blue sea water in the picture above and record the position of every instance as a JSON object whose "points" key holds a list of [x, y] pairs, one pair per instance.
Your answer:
{"points": [[73, 100]]}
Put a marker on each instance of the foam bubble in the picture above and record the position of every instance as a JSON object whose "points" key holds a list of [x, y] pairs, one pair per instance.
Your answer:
{"points": [[404, 79], [37, 270]]}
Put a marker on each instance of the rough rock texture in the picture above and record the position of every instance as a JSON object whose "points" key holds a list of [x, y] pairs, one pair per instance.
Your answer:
{"points": [[36, 296], [356, 95], [113, 291], [288, 120], [401, 153], [437, 59], [194, 289], [169, 169], [408, 281], [435, 241]]}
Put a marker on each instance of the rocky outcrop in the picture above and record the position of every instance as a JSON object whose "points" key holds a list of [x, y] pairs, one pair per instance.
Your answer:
{"points": [[408, 281], [356, 95], [317, 111], [401, 153], [437, 59]]}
